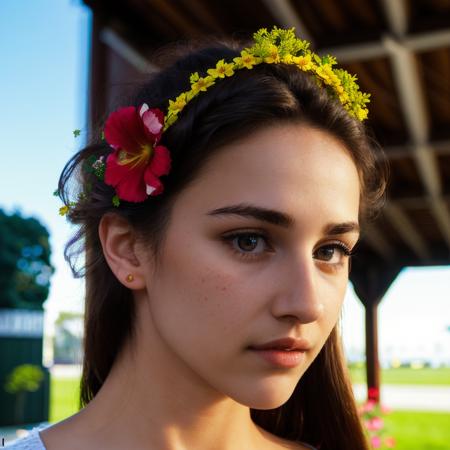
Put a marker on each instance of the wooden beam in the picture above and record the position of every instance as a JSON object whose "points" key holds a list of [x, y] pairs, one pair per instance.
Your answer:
{"points": [[376, 49], [126, 51], [174, 16], [356, 52], [284, 12], [395, 12], [428, 169], [378, 242], [404, 151], [409, 89], [411, 96], [422, 202], [428, 41], [203, 14], [442, 215], [407, 231]]}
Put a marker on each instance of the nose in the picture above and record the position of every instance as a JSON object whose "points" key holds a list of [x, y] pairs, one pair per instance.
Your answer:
{"points": [[299, 297]]}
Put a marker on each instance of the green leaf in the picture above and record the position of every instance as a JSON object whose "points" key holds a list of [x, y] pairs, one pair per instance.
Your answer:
{"points": [[76, 133], [116, 201]]}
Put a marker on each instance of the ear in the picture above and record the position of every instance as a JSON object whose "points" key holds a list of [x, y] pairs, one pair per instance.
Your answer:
{"points": [[119, 244]]}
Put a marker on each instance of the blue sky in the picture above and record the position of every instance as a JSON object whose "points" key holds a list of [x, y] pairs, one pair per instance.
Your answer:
{"points": [[43, 88]]}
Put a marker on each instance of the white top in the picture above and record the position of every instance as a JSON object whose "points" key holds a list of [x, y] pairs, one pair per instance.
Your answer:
{"points": [[33, 441]]}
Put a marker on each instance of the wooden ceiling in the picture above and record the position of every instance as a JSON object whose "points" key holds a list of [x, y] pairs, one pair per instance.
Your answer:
{"points": [[400, 50]]}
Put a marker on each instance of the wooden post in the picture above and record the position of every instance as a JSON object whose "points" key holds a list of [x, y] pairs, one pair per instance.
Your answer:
{"points": [[371, 283], [372, 359]]}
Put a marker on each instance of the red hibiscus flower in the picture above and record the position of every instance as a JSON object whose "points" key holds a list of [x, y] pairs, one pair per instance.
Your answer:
{"points": [[137, 162]]}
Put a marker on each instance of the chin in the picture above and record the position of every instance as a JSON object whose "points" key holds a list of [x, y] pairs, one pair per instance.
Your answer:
{"points": [[265, 403], [268, 395]]}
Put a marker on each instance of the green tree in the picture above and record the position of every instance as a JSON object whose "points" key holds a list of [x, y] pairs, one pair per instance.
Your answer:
{"points": [[25, 268], [24, 378]]}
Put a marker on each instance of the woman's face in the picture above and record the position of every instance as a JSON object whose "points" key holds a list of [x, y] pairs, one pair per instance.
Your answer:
{"points": [[230, 281]]}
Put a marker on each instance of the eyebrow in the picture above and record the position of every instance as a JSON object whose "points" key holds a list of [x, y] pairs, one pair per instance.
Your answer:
{"points": [[279, 218]]}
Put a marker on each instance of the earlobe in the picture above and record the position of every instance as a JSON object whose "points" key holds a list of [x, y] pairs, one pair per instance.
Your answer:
{"points": [[118, 239]]}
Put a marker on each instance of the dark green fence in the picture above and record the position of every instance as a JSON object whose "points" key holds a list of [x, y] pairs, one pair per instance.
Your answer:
{"points": [[14, 351]]}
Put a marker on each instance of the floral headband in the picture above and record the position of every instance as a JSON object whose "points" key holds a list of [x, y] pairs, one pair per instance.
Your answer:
{"points": [[137, 161]]}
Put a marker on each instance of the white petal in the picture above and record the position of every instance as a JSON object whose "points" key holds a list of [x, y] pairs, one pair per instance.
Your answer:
{"points": [[152, 122], [144, 108]]}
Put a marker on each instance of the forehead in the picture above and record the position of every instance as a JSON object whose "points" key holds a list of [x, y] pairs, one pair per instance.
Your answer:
{"points": [[286, 166]]}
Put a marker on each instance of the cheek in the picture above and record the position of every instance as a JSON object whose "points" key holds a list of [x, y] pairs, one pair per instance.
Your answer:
{"points": [[197, 291]]}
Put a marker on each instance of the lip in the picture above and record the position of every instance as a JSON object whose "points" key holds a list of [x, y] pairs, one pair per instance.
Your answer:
{"points": [[282, 358], [286, 344]]}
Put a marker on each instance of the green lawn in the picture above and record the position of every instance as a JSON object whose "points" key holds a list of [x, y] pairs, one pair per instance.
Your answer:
{"points": [[64, 393], [415, 430], [406, 375]]}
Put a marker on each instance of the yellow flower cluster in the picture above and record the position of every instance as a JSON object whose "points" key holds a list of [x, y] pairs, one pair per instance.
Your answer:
{"points": [[66, 208], [279, 46]]}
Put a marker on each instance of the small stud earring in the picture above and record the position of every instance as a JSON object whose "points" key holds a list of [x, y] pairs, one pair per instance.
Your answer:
{"points": [[130, 278]]}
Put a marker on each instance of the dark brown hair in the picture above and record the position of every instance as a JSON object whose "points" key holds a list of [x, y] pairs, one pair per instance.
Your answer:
{"points": [[322, 409]]}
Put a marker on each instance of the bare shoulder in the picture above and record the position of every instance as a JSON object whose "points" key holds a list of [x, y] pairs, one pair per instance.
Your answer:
{"points": [[55, 436], [64, 435]]}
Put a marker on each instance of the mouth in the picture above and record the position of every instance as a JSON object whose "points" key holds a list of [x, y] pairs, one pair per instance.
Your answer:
{"points": [[281, 358], [285, 344], [287, 352]]}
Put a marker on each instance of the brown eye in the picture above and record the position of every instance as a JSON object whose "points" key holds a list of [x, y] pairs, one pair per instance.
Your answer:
{"points": [[244, 244], [325, 253], [247, 242], [332, 253]]}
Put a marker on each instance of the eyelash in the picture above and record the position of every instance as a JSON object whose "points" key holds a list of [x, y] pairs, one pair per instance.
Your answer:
{"points": [[229, 238]]}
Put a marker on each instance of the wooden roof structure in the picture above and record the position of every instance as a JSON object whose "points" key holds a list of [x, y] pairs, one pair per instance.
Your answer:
{"points": [[400, 50]]}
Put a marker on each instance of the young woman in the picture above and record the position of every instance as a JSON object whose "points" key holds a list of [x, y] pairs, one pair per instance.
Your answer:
{"points": [[218, 216]]}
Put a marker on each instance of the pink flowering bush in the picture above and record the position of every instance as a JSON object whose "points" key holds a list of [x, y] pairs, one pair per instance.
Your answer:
{"points": [[371, 413]]}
